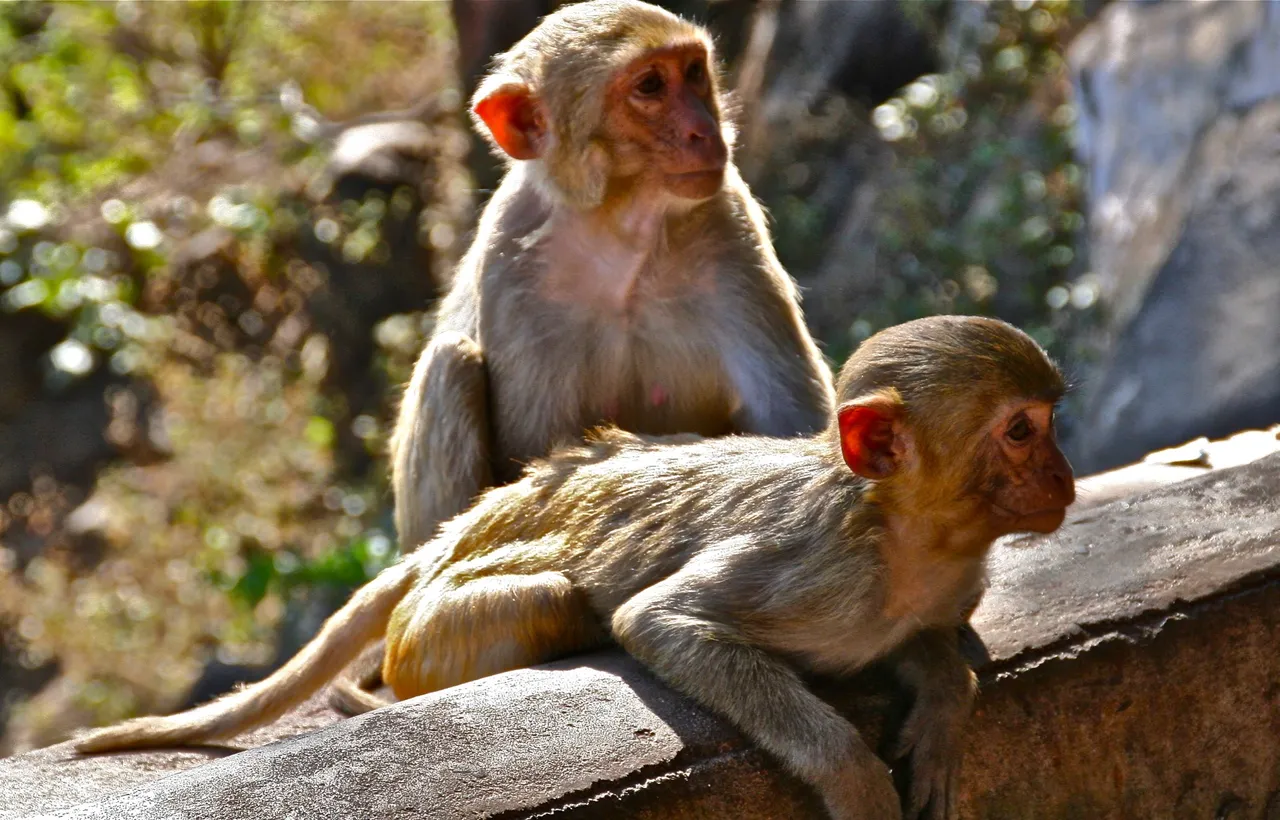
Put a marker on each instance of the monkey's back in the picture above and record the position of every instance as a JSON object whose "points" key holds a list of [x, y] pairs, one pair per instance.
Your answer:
{"points": [[666, 499]]}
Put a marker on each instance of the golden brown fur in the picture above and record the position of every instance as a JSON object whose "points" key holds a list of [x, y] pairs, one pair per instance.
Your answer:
{"points": [[730, 566]]}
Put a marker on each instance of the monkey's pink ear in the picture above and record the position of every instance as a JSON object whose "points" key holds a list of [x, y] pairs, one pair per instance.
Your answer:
{"points": [[868, 439], [514, 119]]}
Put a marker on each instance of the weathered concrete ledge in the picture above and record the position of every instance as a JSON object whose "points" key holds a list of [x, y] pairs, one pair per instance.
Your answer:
{"points": [[1132, 670]]}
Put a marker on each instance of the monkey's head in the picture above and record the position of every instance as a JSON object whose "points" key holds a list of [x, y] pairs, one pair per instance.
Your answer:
{"points": [[953, 415], [610, 91]]}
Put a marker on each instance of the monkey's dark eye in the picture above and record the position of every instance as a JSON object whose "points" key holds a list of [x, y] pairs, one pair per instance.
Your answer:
{"points": [[651, 84], [695, 73], [1019, 431]]}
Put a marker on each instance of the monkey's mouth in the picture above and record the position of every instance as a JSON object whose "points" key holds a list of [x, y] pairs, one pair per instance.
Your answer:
{"points": [[713, 172], [696, 184], [1043, 521]]}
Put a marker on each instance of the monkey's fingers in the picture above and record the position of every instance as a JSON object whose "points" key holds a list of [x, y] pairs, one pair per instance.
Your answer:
{"points": [[928, 745], [930, 795], [861, 791]]}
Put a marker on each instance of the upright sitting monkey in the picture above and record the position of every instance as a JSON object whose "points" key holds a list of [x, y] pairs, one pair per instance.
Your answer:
{"points": [[730, 566], [621, 273]]}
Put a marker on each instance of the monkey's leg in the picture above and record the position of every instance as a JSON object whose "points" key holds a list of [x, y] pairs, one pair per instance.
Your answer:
{"points": [[440, 447], [439, 464], [716, 666], [354, 695], [945, 689], [454, 631]]}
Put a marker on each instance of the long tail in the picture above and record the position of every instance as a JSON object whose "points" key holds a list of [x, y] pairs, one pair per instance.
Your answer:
{"points": [[344, 635]]}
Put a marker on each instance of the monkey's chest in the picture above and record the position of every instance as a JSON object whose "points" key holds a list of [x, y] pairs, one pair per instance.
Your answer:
{"points": [[655, 376], [844, 638], [835, 646], [930, 592], [658, 370]]}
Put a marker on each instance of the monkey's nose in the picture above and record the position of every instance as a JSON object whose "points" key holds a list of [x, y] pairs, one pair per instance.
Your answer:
{"points": [[699, 126], [1064, 486], [708, 146]]}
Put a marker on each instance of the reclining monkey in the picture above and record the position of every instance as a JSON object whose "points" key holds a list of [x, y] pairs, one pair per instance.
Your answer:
{"points": [[730, 566]]}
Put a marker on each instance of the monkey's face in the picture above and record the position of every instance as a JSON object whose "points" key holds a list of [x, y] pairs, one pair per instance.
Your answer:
{"points": [[662, 121], [1029, 483]]}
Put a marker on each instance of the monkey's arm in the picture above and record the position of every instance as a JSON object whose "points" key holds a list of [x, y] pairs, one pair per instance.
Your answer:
{"points": [[440, 448], [945, 689], [782, 382], [717, 667]]}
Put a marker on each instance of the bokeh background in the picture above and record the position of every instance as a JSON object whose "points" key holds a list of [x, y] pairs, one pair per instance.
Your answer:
{"points": [[222, 226]]}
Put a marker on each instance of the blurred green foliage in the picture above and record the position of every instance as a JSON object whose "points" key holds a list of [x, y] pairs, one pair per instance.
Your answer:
{"points": [[154, 209], [977, 197], [987, 215]]}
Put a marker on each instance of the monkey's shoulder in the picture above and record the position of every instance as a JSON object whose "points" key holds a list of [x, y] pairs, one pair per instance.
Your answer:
{"points": [[610, 441], [607, 440], [610, 435], [706, 468]]}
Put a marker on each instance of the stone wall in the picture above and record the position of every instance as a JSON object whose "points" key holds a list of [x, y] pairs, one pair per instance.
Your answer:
{"points": [[1129, 669]]}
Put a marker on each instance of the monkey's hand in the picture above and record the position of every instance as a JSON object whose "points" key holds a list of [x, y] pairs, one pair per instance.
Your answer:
{"points": [[860, 789], [931, 739]]}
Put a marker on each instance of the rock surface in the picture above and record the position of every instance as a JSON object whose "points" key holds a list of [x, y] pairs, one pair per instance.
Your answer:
{"points": [[1194, 458], [1179, 104], [1131, 673]]}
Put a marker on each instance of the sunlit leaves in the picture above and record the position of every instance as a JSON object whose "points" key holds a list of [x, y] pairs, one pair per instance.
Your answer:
{"points": [[127, 130], [986, 215]]}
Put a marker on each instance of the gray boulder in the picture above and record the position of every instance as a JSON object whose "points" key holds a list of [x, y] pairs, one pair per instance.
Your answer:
{"points": [[1179, 108]]}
